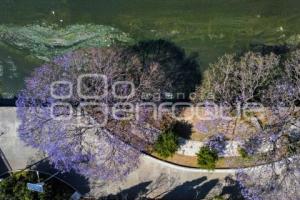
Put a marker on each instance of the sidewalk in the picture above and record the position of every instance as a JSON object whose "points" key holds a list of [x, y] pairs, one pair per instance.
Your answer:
{"points": [[16, 152]]}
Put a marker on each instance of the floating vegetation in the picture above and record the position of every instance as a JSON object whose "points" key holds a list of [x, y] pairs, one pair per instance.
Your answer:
{"points": [[294, 40], [44, 42]]}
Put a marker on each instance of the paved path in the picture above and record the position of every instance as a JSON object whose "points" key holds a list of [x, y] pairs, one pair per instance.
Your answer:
{"points": [[160, 178], [152, 176], [16, 152]]}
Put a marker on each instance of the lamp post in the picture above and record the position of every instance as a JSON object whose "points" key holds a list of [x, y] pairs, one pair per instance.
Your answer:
{"points": [[39, 187]]}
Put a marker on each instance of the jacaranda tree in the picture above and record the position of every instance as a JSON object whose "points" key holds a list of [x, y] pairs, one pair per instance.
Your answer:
{"points": [[71, 110]]}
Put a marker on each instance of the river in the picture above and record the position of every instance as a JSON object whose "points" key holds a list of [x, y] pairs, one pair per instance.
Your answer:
{"points": [[208, 27]]}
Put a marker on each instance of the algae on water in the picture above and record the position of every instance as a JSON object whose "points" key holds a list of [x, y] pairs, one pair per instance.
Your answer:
{"points": [[45, 42]]}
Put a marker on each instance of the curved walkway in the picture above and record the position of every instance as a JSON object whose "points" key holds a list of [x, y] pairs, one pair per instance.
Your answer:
{"points": [[187, 169], [150, 170], [161, 177]]}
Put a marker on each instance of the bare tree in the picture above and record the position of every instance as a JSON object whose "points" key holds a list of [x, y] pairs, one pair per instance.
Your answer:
{"points": [[254, 77], [243, 79], [278, 177]]}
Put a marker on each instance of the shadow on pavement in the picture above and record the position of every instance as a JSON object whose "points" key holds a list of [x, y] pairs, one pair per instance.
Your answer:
{"points": [[232, 189], [130, 193], [8, 102], [79, 182], [4, 164], [191, 190]]}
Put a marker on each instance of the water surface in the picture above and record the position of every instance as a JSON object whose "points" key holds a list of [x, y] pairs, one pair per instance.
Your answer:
{"points": [[208, 27]]}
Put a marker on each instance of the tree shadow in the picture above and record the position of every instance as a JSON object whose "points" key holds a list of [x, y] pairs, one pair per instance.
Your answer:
{"points": [[232, 189], [143, 191], [79, 182], [130, 193], [182, 129], [191, 190], [3, 168], [4, 165], [183, 70], [267, 49], [160, 189], [8, 102]]}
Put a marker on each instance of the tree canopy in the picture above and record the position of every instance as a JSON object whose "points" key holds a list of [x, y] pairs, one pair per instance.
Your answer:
{"points": [[14, 187], [207, 158], [88, 135], [242, 79], [272, 81], [166, 144]]}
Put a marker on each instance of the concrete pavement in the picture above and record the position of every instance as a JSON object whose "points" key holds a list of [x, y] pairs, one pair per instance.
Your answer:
{"points": [[16, 152], [161, 179]]}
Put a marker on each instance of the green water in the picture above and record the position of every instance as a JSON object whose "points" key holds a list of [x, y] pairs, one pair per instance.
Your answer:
{"points": [[208, 27]]}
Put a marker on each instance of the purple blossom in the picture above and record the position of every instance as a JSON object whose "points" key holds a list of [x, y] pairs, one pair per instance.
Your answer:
{"points": [[253, 144], [64, 61], [249, 193], [274, 137], [206, 126], [201, 126], [110, 152], [217, 142]]}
